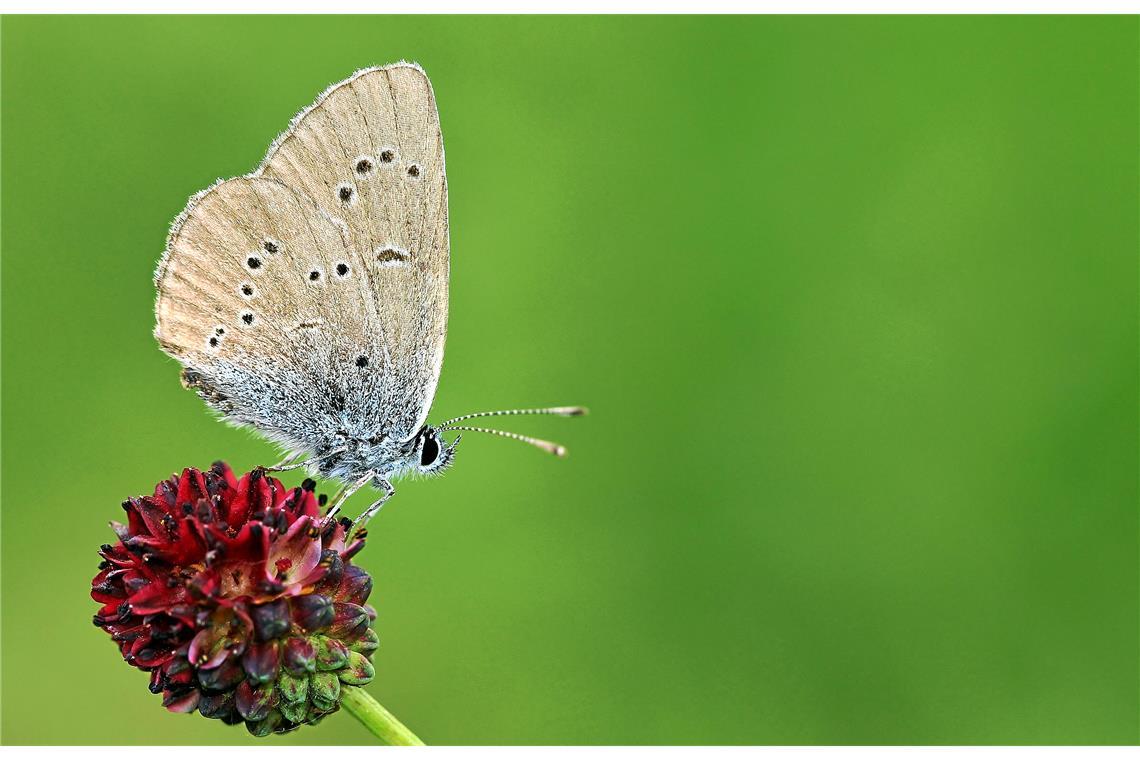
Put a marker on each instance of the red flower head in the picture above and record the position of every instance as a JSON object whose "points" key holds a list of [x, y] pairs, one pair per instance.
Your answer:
{"points": [[238, 598]]}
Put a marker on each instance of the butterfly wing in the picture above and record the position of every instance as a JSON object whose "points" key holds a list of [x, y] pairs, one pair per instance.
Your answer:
{"points": [[309, 299], [370, 152], [248, 293]]}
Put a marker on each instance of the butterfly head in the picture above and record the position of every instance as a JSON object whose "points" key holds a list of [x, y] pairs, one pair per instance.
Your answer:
{"points": [[430, 454], [427, 453]]}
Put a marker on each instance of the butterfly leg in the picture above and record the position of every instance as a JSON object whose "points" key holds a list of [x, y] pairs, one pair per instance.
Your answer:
{"points": [[369, 513], [348, 490], [288, 463]]}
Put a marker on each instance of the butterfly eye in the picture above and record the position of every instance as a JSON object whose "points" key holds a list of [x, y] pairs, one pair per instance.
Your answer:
{"points": [[430, 451]]}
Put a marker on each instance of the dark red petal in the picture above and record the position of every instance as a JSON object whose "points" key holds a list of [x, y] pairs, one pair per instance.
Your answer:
{"points": [[178, 665], [261, 661], [225, 633], [355, 586], [303, 504], [354, 548], [294, 556], [158, 521], [191, 488], [313, 612], [156, 681], [122, 532], [220, 705], [299, 656], [106, 590], [252, 495], [225, 676], [254, 702], [166, 491], [182, 701], [271, 620], [204, 649], [349, 621], [147, 654], [332, 571], [223, 470], [136, 525], [156, 597]]}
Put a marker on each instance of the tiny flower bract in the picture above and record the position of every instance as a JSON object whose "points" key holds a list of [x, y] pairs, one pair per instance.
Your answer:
{"points": [[238, 598]]}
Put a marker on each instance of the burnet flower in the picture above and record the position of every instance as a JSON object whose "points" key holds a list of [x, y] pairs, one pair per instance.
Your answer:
{"points": [[238, 598]]}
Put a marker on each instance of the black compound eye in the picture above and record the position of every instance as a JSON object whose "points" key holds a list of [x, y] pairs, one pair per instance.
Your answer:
{"points": [[430, 452]]}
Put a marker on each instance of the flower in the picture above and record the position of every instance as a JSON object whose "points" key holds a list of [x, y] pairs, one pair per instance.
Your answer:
{"points": [[238, 598]]}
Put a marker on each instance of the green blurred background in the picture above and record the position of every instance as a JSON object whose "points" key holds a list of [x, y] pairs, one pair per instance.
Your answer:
{"points": [[853, 300]]}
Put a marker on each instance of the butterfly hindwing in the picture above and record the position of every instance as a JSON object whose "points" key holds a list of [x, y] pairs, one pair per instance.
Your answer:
{"points": [[248, 290]]}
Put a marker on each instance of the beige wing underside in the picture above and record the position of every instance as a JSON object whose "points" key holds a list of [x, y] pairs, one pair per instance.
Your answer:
{"points": [[338, 247]]}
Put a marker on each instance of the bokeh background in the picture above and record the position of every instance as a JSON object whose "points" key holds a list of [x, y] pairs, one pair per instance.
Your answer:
{"points": [[853, 300]]}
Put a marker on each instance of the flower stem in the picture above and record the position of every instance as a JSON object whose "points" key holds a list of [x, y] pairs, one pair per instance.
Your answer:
{"points": [[375, 718]]}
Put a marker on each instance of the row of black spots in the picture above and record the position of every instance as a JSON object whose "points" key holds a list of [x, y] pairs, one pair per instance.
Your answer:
{"points": [[255, 261], [364, 166], [218, 336], [215, 340], [317, 276]]}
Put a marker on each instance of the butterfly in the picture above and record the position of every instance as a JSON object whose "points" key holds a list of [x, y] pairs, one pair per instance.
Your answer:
{"points": [[308, 299]]}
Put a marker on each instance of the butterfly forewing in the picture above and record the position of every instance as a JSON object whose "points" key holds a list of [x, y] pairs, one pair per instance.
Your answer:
{"points": [[370, 152], [309, 299]]}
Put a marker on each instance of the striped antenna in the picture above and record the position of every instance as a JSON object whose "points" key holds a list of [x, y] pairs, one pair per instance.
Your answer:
{"points": [[561, 411], [547, 446]]}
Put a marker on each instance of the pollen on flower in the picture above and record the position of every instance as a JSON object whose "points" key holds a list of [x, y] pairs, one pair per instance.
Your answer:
{"points": [[238, 598]]}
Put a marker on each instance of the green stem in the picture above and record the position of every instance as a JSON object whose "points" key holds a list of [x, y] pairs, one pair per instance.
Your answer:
{"points": [[375, 718]]}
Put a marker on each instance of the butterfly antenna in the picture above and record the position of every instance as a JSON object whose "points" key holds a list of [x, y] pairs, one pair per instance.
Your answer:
{"points": [[561, 411], [547, 446]]}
